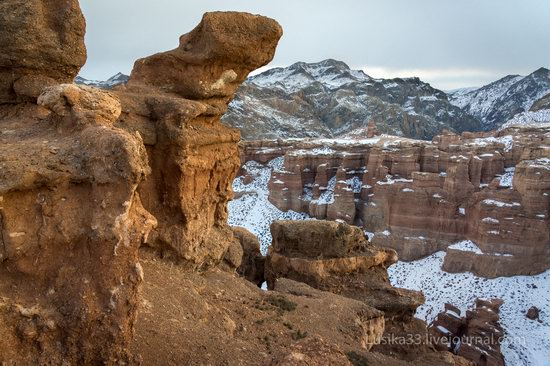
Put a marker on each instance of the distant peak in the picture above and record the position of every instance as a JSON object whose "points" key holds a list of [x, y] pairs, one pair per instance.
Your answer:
{"points": [[334, 63], [542, 70], [118, 75], [325, 63]]}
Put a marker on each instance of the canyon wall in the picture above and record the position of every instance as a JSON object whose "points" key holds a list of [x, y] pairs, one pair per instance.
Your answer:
{"points": [[482, 197]]}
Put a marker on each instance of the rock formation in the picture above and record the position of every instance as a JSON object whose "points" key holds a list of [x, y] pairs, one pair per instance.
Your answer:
{"points": [[475, 193], [71, 224], [88, 174], [42, 44], [193, 156], [476, 336], [252, 262], [372, 130], [336, 257], [71, 220], [533, 313], [541, 104], [116, 200]]}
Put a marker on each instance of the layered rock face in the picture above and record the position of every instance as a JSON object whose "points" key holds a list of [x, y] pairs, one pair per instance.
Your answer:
{"points": [[88, 174], [71, 224], [475, 336], [71, 220], [194, 157], [336, 257], [477, 193]]}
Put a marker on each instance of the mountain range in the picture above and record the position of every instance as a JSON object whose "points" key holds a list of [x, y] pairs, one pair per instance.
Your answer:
{"points": [[114, 80], [329, 99], [500, 101]]}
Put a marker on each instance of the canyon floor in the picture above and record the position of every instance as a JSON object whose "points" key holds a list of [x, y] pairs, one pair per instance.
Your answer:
{"points": [[526, 342]]}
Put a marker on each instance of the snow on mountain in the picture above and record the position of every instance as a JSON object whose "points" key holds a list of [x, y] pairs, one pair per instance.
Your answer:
{"points": [[529, 118], [498, 102], [461, 91], [479, 101], [331, 74], [328, 99], [114, 80]]}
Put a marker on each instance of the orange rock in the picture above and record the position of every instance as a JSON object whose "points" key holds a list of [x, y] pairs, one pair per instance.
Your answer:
{"points": [[87, 175], [42, 43]]}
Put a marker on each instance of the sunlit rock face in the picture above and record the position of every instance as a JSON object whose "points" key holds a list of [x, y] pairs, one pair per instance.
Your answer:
{"points": [[42, 44], [89, 176], [175, 100]]}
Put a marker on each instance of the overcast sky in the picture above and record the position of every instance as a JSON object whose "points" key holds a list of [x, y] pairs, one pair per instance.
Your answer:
{"points": [[448, 43]]}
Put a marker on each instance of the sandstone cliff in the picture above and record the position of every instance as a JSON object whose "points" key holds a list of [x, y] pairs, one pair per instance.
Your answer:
{"points": [[475, 193]]}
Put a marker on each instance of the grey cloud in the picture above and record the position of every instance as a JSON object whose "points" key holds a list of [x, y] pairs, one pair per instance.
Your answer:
{"points": [[497, 36]]}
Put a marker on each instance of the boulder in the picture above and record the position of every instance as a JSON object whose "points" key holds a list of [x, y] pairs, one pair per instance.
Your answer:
{"points": [[80, 105], [42, 44], [533, 313]]}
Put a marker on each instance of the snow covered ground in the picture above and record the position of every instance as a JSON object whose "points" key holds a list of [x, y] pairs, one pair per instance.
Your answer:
{"points": [[526, 342], [253, 210]]}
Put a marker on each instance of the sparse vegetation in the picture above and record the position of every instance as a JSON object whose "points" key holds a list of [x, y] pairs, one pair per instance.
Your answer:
{"points": [[297, 335], [282, 303]]}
